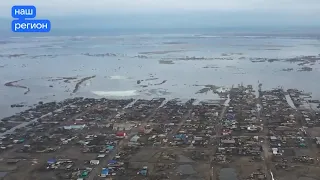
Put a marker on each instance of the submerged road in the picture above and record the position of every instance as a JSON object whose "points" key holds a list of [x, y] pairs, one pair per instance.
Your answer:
{"points": [[265, 144], [222, 115], [218, 132]]}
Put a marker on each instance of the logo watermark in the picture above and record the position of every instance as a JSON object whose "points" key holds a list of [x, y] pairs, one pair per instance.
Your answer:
{"points": [[24, 21]]}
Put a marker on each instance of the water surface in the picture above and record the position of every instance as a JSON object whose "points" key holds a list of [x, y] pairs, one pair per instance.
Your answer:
{"points": [[119, 61]]}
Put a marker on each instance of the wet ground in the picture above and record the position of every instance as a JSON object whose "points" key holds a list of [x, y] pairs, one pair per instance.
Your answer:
{"points": [[228, 174]]}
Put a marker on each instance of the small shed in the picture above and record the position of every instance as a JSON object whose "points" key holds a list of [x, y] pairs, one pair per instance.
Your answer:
{"points": [[273, 138], [121, 134], [135, 138], [104, 172], [51, 161], [101, 155], [94, 162], [12, 161]]}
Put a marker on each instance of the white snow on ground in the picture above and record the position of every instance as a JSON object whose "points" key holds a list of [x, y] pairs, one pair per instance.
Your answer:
{"points": [[290, 102], [118, 77], [116, 93]]}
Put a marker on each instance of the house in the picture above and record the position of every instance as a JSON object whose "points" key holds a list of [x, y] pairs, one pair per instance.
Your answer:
{"points": [[226, 132], [145, 130], [13, 161], [198, 138], [318, 141], [275, 151], [134, 141], [51, 161], [123, 126], [135, 138], [252, 128], [104, 172], [273, 138], [94, 162], [228, 141], [101, 156], [75, 125], [121, 134]]}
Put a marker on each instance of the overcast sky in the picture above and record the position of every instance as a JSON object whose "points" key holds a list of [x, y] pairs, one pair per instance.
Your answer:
{"points": [[175, 11], [59, 7]]}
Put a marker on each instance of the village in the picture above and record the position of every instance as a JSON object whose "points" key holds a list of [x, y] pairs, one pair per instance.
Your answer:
{"points": [[248, 134]]}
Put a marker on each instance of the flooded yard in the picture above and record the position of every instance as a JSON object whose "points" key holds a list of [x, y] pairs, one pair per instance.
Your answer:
{"points": [[228, 174]]}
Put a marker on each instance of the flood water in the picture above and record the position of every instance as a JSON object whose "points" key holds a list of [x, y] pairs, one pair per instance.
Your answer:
{"points": [[119, 61], [306, 178], [228, 174]]}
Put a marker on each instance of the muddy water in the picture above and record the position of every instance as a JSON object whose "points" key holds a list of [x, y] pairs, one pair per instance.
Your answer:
{"points": [[186, 169], [306, 178], [118, 71], [228, 174]]}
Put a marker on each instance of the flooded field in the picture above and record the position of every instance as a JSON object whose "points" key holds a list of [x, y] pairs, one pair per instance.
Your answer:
{"points": [[146, 66]]}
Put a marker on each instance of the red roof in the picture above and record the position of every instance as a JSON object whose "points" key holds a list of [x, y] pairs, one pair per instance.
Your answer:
{"points": [[120, 133]]}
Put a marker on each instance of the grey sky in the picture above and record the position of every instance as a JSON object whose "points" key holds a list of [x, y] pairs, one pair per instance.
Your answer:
{"points": [[170, 13], [63, 7]]}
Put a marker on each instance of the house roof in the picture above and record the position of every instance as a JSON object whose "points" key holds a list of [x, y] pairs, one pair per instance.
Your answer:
{"points": [[70, 123], [105, 171], [94, 161], [228, 141], [134, 138], [120, 133]]}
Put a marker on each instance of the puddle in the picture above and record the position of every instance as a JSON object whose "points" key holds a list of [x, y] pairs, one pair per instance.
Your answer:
{"points": [[306, 178], [184, 159], [194, 178], [186, 169], [228, 174], [301, 152]]}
